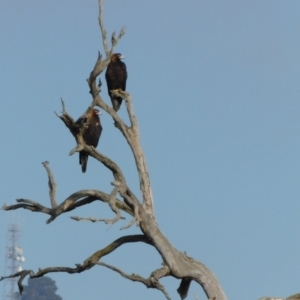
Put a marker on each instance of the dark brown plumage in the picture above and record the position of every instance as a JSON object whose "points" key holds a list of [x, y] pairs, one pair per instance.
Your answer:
{"points": [[91, 135], [116, 76]]}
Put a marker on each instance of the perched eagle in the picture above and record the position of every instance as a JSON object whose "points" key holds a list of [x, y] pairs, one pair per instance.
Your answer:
{"points": [[91, 135], [116, 76]]}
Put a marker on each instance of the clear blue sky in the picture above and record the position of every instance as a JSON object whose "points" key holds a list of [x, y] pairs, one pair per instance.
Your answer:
{"points": [[215, 85]]}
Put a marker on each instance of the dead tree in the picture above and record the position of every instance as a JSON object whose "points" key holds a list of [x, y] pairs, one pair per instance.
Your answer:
{"points": [[120, 199]]}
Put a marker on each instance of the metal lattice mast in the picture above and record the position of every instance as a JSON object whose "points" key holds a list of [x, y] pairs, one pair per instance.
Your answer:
{"points": [[13, 258]]}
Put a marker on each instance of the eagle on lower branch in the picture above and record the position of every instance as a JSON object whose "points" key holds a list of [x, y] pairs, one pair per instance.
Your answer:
{"points": [[91, 135]]}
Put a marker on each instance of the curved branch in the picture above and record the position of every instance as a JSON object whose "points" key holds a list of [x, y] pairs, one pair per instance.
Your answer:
{"points": [[72, 202], [90, 199], [94, 220], [113, 205], [181, 266], [151, 282], [93, 259], [29, 205], [22, 275], [88, 263], [205, 277]]}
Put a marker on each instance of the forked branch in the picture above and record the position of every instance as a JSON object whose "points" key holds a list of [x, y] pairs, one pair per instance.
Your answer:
{"points": [[114, 40], [88, 263], [151, 282], [21, 275], [76, 129], [113, 205], [75, 200]]}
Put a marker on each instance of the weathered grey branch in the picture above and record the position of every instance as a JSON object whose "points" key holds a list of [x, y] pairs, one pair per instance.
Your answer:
{"points": [[131, 135], [114, 208], [102, 28], [114, 40], [112, 204], [133, 139], [94, 220], [22, 275], [73, 201], [151, 282], [28, 204], [52, 185], [70, 203], [90, 262], [180, 265]]}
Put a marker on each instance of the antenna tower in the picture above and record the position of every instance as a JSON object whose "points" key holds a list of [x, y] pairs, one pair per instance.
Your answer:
{"points": [[13, 257]]}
